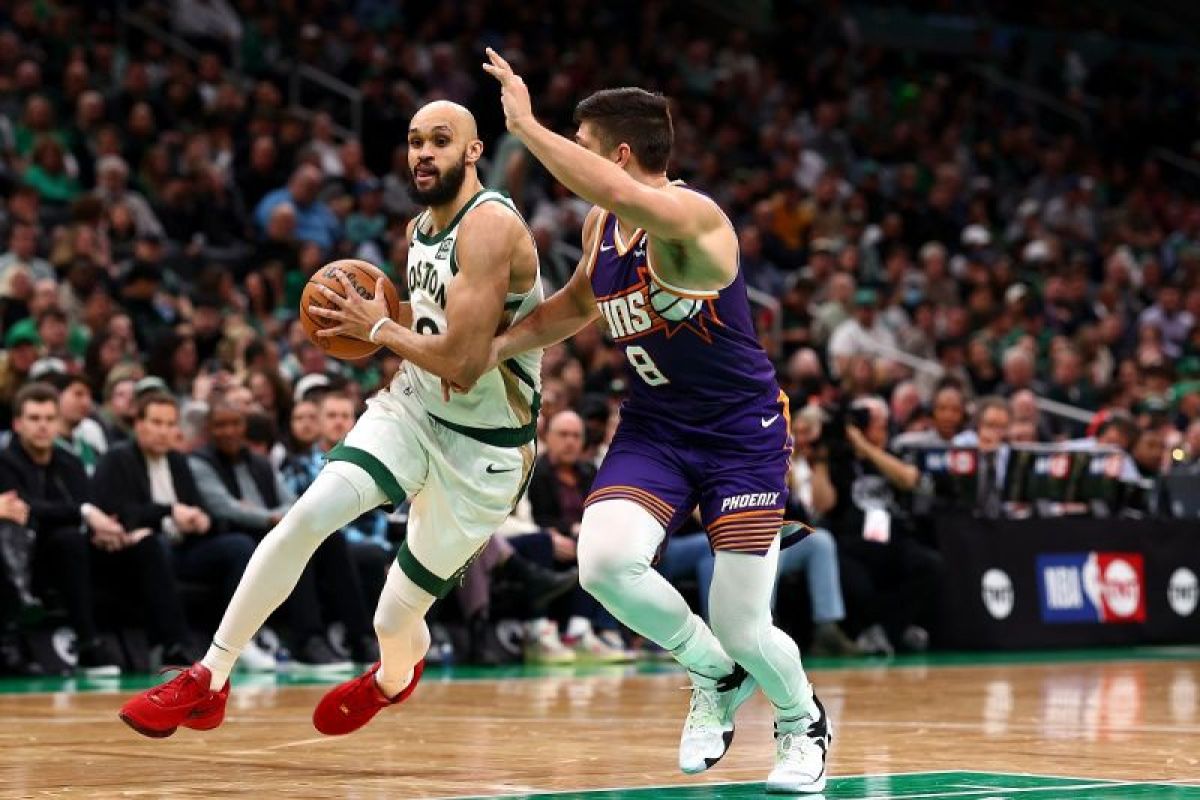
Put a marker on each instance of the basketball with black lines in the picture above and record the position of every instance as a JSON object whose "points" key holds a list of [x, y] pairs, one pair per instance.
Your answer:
{"points": [[362, 277], [673, 307]]}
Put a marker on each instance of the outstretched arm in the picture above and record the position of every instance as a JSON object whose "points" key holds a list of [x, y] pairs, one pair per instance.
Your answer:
{"points": [[663, 212], [488, 242]]}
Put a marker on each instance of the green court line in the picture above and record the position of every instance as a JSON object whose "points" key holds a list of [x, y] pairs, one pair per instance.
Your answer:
{"points": [[471, 673], [914, 786]]}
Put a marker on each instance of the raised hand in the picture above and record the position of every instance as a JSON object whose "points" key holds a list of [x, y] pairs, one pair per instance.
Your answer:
{"points": [[514, 95]]}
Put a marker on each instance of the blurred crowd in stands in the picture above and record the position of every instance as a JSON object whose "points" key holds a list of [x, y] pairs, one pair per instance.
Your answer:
{"points": [[931, 257]]}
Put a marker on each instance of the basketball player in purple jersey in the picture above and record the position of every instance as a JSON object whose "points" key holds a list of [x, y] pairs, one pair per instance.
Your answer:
{"points": [[705, 423]]}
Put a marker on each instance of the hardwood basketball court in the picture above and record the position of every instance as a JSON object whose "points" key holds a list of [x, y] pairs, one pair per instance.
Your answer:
{"points": [[1096, 724]]}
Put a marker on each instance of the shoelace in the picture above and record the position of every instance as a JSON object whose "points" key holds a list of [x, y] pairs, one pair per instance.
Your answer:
{"points": [[362, 700], [169, 692], [794, 746], [783, 745], [703, 709]]}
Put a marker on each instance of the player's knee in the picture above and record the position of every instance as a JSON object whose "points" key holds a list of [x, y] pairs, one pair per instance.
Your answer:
{"points": [[388, 624], [739, 640], [301, 524], [335, 497], [608, 561], [603, 570], [402, 606]]}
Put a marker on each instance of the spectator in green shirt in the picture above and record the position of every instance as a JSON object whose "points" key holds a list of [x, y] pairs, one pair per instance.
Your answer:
{"points": [[48, 173]]}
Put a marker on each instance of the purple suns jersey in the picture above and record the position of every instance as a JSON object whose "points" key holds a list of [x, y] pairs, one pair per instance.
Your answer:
{"points": [[705, 425], [694, 364]]}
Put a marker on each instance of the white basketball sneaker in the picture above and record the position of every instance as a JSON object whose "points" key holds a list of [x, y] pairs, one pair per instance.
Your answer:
{"points": [[255, 658], [801, 753], [708, 730], [543, 645]]}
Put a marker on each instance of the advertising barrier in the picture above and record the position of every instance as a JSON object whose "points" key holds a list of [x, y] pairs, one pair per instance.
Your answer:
{"points": [[1069, 582]]}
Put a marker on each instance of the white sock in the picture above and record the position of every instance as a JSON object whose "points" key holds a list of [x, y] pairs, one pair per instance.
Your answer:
{"points": [[403, 634], [789, 719], [220, 659], [699, 651], [403, 684]]}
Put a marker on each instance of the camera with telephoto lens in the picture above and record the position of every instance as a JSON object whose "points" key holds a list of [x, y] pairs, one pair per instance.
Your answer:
{"points": [[837, 416], [835, 419]]}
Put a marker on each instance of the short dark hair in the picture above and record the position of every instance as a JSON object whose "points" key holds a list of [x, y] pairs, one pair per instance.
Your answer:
{"points": [[219, 404], [51, 313], [950, 385], [333, 394], [154, 398], [1123, 423], [634, 116], [62, 381], [39, 392], [261, 428], [985, 404]]}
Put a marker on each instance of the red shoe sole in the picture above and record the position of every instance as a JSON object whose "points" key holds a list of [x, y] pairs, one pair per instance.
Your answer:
{"points": [[205, 722], [143, 730]]}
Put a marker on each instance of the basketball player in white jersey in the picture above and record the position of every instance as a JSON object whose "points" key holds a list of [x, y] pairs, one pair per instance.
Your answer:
{"points": [[463, 459]]}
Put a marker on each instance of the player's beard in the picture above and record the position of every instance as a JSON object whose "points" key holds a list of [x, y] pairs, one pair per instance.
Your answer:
{"points": [[445, 186]]}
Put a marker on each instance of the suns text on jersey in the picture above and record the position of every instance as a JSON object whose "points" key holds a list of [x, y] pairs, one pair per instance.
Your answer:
{"points": [[630, 315]]}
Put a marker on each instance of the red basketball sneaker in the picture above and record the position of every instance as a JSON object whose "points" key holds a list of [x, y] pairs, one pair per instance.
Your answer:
{"points": [[184, 700], [348, 706]]}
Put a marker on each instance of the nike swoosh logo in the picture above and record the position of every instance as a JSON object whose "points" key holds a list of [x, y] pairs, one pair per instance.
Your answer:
{"points": [[604, 249], [766, 422], [491, 471]]}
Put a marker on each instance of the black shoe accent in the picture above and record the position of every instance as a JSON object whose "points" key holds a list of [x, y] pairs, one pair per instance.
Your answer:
{"points": [[541, 586], [818, 729], [96, 655], [365, 650], [486, 648], [733, 680], [15, 659], [180, 654], [318, 652], [727, 737]]}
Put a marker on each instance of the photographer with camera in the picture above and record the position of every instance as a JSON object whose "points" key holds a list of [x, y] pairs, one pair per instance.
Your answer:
{"points": [[859, 488]]}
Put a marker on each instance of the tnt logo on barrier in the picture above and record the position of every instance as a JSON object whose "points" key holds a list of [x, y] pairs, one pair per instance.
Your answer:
{"points": [[1092, 587]]}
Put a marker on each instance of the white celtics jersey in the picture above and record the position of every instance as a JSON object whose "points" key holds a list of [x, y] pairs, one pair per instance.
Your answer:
{"points": [[502, 406]]}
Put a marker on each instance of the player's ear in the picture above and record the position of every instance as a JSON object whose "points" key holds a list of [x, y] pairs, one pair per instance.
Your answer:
{"points": [[623, 155], [474, 151]]}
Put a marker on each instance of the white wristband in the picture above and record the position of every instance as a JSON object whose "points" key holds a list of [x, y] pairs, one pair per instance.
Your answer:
{"points": [[375, 329]]}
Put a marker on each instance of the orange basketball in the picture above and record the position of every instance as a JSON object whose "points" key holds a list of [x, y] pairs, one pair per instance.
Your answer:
{"points": [[362, 277]]}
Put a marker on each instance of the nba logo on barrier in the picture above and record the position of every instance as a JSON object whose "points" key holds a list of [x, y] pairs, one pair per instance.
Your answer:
{"points": [[962, 462], [1093, 587]]}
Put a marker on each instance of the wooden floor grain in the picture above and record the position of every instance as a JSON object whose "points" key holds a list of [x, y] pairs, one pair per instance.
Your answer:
{"points": [[1121, 720]]}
